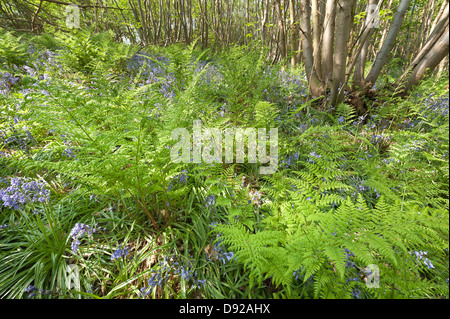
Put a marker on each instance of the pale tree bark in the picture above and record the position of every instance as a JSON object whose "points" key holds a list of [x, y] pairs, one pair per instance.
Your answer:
{"points": [[439, 22], [293, 32], [442, 66], [434, 51], [316, 87], [343, 13], [366, 33], [328, 41], [408, 37], [443, 8], [385, 28], [389, 43], [317, 32], [265, 16], [427, 21], [281, 29]]}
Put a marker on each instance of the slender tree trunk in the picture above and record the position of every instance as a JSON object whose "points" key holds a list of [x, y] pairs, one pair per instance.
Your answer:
{"points": [[265, 16], [328, 41], [434, 51], [317, 32], [389, 43], [293, 32], [281, 28], [444, 7], [343, 13], [408, 37], [442, 66], [385, 28], [366, 33]]}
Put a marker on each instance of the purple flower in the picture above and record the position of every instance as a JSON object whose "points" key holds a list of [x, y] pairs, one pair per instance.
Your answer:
{"points": [[119, 253], [210, 201], [30, 290], [78, 231], [428, 263], [348, 253], [22, 191], [356, 293]]}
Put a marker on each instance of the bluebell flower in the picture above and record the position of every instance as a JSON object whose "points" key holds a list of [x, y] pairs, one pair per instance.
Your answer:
{"points": [[78, 231], [119, 253], [350, 264], [356, 293], [428, 263], [22, 191], [210, 201], [348, 253], [297, 274], [31, 291]]}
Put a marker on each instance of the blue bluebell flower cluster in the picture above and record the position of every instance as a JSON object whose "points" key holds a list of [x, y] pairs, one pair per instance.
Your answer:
{"points": [[168, 268], [349, 255], [120, 253], [313, 155], [434, 109], [292, 91], [421, 256], [186, 272], [211, 74], [180, 179], [32, 291], [210, 201], [154, 70], [356, 293], [7, 81], [78, 231], [22, 191], [69, 151], [361, 187], [290, 159], [299, 274], [12, 137], [218, 252]]}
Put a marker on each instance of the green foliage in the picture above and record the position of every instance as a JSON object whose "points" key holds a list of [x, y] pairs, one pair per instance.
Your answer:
{"points": [[349, 192], [33, 250], [337, 199], [84, 51], [13, 50], [243, 70]]}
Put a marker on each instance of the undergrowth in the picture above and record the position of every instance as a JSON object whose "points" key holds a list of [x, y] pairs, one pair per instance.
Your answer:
{"points": [[87, 182]]}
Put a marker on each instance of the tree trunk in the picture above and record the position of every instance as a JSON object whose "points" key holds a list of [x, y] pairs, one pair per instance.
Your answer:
{"points": [[317, 32], [429, 58], [389, 43], [328, 42], [281, 28], [343, 13], [293, 32], [315, 86]]}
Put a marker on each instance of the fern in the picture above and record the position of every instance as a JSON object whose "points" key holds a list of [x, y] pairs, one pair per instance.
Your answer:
{"points": [[330, 231]]}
